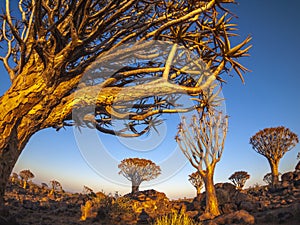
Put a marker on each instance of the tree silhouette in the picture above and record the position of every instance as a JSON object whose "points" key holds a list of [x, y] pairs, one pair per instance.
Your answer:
{"points": [[202, 142], [55, 186], [197, 181], [239, 179], [48, 48], [138, 170], [25, 176], [268, 178], [273, 143]]}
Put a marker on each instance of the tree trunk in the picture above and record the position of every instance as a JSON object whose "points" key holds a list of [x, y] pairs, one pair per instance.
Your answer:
{"points": [[212, 206], [198, 191], [134, 188], [25, 184], [23, 110], [274, 168]]}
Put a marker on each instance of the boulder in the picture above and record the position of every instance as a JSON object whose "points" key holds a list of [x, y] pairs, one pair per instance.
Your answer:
{"points": [[297, 168], [238, 217], [289, 176]]}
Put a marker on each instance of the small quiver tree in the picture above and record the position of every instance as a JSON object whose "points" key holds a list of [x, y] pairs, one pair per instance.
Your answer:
{"points": [[138, 170], [273, 143], [89, 192], [196, 180], [239, 179], [202, 142], [25, 176], [55, 186], [268, 178]]}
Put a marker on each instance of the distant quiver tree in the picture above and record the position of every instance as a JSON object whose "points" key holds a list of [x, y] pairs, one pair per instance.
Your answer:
{"points": [[25, 175], [273, 143], [196, 180], [138, 170], [239, 179]]}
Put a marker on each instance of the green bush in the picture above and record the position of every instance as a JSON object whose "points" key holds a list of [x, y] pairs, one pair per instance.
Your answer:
{"points": [[175, 219]]}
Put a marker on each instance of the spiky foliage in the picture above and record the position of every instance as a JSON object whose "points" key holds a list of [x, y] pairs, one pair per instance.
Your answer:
{"points": [[202, 141], [273, 143], [239, 179], [48, 46], [26, 175], [197, 181], [138, 170]]}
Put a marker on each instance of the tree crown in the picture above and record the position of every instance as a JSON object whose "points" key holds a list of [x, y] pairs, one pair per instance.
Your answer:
{"points": [[26, 174], [139, 170], [274, 142]]}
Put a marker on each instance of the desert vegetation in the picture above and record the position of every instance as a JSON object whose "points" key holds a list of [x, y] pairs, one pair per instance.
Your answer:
{"points": [[48, 47], [53, 52]]}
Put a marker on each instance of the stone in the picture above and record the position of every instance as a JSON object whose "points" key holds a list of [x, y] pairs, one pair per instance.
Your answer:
{"points": [[238, 217], [297, 168], [191, 214], [288, 176]]}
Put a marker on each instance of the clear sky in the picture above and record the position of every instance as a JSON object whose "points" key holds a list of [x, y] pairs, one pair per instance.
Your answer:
{"points": [[269, 97]]}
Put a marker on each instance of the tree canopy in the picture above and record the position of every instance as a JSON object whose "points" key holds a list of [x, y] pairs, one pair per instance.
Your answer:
{"points": [[138, 170], [239, 179]]}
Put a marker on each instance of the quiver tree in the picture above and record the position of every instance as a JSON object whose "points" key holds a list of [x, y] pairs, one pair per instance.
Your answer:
{"points": [[89, 192], [47, 47], [239, 179], [55, 186], [273, 143], [197, 181], [268, 178], [138, 170], [202, 141], [25, 175]]}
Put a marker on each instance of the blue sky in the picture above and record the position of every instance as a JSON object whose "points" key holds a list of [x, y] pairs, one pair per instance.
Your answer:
{"points": [[269, 97]]}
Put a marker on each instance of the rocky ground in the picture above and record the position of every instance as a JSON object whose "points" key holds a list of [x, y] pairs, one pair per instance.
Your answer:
{"points": [[259, 205]]}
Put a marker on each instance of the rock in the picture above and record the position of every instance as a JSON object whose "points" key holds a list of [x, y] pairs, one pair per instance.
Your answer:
{"points": [[289, 176], [297, 168], [228, 208], [285, 184], [238, 217], [249, 206], [192, 214], [297, 175]]}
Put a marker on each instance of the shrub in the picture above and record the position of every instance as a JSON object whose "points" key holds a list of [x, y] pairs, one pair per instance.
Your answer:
{"points": [[175, 219]]}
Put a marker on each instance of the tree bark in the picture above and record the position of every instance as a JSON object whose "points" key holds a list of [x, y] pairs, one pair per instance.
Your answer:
{"points": [[23, 109], [212, 206], [198, 191], [134, 188], [274, 169]]}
